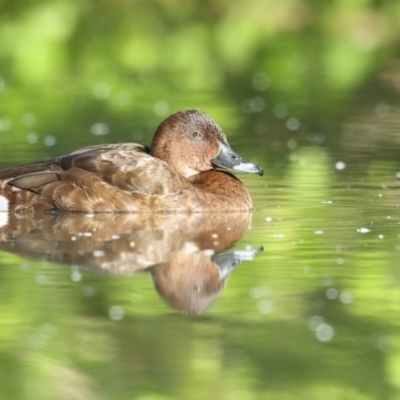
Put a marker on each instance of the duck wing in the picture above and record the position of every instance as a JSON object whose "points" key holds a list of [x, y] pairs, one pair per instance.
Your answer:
{"points": [[126, 166]]}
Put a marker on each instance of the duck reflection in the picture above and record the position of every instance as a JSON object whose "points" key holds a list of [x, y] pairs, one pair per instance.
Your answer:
{"points": [[185, 254]]}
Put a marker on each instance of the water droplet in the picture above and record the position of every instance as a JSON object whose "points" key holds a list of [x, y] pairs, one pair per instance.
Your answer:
{"points": [[76, 276], [253, 105], [161, 108], [315, 321], [281, 110], [293, 124], [340, 165], [88, 291], [116, 313], [346, 297], [265, 307], [332, 293], [29, 119], [32, 137], [260, 81], [101, 90], [324, 332], [49, 140], [99, 129]]}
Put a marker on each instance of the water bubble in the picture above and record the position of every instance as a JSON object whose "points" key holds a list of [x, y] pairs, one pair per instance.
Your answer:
{"points": [[29, 119], [268, 219], [281, 110], [260, 291], [49, 140], [363, 230], [319, 138], [324, 332], [265, 307], [332, 293], [315, 321], [99, 129], [260, 81], [161, 108], [32, 137], [293, 157], [101, 90], [137, 298], [302, 161], [76, 276], [253, 105], [85, 234], [41, 279], [88, 291], [293, 124], [346, 297], [340, 165], [123, 98], [116, 313]]}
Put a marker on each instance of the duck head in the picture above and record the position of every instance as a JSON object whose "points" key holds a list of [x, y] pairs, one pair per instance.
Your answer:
{"points": [[192, 142]]}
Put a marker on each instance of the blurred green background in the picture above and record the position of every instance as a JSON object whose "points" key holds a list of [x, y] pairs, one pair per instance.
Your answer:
{"points": [[309, 90], [76, 72]]}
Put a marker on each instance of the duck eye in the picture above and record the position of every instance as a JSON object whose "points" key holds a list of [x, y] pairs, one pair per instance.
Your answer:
{"points": [[196, 134]]}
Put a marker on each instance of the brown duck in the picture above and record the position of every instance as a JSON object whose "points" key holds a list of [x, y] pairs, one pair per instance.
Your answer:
{"points": [[180, 172]]}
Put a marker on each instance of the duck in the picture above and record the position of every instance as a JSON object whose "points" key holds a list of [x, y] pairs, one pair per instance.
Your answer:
{"points": [[188, 168]]}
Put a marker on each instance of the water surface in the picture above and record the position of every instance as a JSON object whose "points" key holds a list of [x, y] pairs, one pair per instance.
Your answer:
{"points": [[299, 298]]}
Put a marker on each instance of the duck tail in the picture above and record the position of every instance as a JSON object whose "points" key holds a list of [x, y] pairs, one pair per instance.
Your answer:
{"points": [[15, 197], [12, 180], [6, 196]]}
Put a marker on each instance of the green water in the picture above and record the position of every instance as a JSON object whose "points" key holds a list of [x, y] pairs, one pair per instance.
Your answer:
{"points": [[301, 298]]}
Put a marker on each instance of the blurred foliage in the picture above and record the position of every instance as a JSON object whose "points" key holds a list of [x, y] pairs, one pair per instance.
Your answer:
{"points": [[298, 85], [67, 65]]}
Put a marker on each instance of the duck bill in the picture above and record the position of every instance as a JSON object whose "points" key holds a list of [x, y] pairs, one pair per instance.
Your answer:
{"points": [[228, 159], [227, 262]]}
